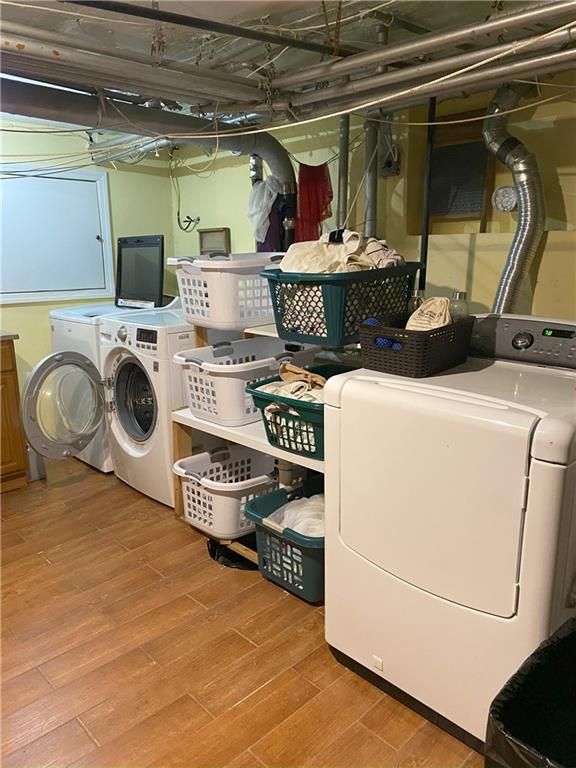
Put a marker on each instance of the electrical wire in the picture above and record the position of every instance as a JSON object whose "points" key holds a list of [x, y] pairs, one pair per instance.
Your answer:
{"points": [[476, 118], [272, 127], [345, 20], [267, 63], [95, 150], [368, 166], [29, 7]]}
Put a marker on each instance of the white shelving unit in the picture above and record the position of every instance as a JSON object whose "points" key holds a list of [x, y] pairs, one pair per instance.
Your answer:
{"points": [[251, 435], [185, 426]]}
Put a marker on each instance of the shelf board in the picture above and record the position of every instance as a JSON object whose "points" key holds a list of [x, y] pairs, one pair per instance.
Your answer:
{"points": [[262, 330], [252, 436]]}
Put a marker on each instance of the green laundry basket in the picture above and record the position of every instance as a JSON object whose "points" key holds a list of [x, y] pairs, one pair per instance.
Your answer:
{"points": [[296, 426], [289, 559], [327, 309]]}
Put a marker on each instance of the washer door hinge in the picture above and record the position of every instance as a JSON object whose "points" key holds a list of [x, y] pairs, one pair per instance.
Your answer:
{"points": [[107, 382], [109, 406]]}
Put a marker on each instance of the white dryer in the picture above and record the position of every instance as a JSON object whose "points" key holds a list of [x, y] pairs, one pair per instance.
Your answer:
{"points": [[67, 398], [77, 329], [451, 520]]}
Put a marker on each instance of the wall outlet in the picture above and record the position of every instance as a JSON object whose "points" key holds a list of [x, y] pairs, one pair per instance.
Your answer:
{"points": [[377, 663]]}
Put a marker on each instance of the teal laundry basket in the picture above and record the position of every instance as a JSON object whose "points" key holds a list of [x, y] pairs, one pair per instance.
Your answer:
{"points": [[327, 309], [296, 426], [289, 559]]}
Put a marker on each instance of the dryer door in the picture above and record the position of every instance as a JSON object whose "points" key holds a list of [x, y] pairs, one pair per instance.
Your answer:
{"points": [[433, 487], [63, 405]]}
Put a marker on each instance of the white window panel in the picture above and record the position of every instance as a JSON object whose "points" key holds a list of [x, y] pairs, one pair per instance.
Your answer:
{"points": [[56, 240]]}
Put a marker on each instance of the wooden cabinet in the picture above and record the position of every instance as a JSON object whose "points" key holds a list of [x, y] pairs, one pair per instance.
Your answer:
{"points": [[12, 445]]}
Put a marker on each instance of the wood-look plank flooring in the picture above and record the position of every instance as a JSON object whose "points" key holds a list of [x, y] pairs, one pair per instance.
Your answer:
{"points": [[125, 646]]}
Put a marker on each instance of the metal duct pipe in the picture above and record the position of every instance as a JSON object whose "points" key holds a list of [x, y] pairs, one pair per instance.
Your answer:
{"points": [[50, 104], [528, 183], [142, 147], [371, 179], [26, 54], [11, 29], [343, 160], [423, 71], [544, 64], [425, 44]]}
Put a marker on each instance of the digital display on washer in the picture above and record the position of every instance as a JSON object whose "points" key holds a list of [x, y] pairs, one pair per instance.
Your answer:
{"points": [[558, 333], [146, 335]]}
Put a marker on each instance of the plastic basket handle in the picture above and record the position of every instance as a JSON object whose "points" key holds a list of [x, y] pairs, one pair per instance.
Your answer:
{"points": [[271, 524], [284, 356], [196, 475], [181, 260], [223, 255], [222, 348], [194, 360], [222, 452], [278, 257]]}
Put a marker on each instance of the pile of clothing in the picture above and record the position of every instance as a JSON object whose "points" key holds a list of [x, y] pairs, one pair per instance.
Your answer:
{"points": [[305, 516], [339, 251], [297, 384], [302, 304]]}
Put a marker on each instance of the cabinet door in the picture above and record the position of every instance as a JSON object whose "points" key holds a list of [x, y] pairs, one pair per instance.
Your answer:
{"points": [[12, 442]]}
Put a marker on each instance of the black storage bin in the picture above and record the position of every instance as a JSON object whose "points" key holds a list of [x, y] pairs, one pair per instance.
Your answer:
{"points": [[388, 347], [532, 721]]}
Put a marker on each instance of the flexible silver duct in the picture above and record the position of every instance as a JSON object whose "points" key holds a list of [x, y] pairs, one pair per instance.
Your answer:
{"points": [[528, 183]]}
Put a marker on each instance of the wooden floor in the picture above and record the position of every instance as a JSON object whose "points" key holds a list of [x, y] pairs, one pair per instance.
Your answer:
{"points": [[125, 646]]}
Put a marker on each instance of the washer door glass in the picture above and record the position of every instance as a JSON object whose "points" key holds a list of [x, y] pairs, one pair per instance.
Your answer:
{"points": [[134, 400], [62, 405]]}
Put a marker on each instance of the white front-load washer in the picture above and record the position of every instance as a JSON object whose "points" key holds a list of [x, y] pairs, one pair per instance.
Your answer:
{"points": [[68, 398], [145, 386], [451, 520], [77, 329]]}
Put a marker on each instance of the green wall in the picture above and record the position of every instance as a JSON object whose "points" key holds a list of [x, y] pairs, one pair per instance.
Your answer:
{"points": [[140, 203], [143, 200]]}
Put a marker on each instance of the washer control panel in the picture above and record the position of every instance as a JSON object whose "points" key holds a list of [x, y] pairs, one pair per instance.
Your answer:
{"points": [[525, 339]]}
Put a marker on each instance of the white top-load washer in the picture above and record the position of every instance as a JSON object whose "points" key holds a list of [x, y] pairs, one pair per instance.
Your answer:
{"points": [[451, 530], [68, 397], [77, 329]]}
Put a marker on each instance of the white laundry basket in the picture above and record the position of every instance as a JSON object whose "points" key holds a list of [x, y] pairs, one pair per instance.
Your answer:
{"points": [[216, 376], [225, 290], [217, 484]]}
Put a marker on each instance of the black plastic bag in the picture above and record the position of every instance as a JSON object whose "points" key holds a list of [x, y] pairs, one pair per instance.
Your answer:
{"points": [[532, 721]]}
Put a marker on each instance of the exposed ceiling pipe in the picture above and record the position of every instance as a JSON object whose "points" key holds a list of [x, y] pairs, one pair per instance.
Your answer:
{"points": [[547, 63], [425, 70], [478, 32], [26, 54], [209, 25], [86, 110], [371, 179], [343, 161], [13, 29], [528, 183]]}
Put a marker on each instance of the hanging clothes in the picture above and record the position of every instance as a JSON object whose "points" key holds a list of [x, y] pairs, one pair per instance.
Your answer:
{"points": [[314, 198], [262, 197], [273, 240]]}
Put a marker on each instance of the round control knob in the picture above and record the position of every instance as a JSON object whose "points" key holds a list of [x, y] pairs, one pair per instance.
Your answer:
{"points": [[122, 333], [522, 340]]}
